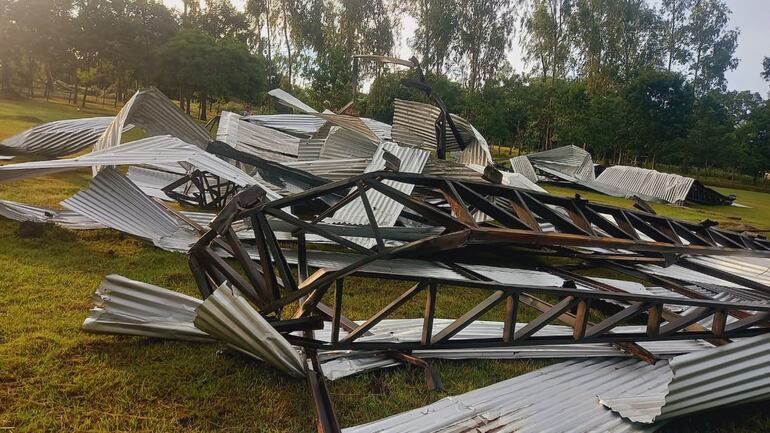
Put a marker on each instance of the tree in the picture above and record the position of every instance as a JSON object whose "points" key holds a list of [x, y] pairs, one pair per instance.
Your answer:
{"points": [[660, 104], [765, 69], [675, 13], [212, 68], [436, 32], [548, 42], [712, 45], [485, 28]]}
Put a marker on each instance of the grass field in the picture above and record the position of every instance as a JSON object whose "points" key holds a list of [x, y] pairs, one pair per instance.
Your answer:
{"points": [[53, 377]]}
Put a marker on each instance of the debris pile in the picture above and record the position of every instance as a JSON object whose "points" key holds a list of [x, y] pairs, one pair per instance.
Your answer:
{"points": [[289, 207]]}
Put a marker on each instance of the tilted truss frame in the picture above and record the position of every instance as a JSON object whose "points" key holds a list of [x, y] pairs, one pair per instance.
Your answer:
{"points": [[517, 223]]}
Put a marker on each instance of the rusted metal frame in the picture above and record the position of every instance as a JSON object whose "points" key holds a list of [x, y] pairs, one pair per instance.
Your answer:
{"points": [[469, 317], [370, 215], [328, 312], [718, 322], [544, 319], [264, 257], [277, 254], [690, 235], [199, 275], [432, 380], [326, 278], [622, 221], [684, 321], [616, 319], [724, 238], [749, 241], [616, 338], [511, 312], [603, 223], [652, 231], [491, 209], [429, 313], [459, 208], [667, 283], [338, 287], [388, 309], [654, 319], [746, 322], [302, 267], [577, 216], [232, 276], [523, 212], [326, 418], [558, 220], [423, 209], [339, 205], [307, 227], [248, 265], [723, 275], [582, 310]]}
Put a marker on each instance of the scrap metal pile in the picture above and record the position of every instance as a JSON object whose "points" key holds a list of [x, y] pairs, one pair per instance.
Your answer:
{"points": [[290, 208]]}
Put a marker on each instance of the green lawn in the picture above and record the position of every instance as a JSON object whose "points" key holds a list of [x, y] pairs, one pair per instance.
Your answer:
{"points": [[53, 377]]}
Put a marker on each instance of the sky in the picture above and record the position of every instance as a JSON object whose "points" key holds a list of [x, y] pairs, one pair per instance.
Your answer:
{"points": [[751, 17]]}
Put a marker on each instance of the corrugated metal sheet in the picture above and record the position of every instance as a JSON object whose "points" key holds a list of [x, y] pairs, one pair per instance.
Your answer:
{"points": [[670, 188], [569, 162], [228, 316], [127, 307], [446, 168], [59, 138], [728, 375], [112, 200], [332, 169], [255, 139], [515, 180], [351, 123], [290, 101], [520, 164], [414, 125], [752, 268], [555, 399], [5, 157], [310, 149], [477, 151], [301, 125], [165, 152], [67, 219], [152, 111], [343, 143], [385, 209]]}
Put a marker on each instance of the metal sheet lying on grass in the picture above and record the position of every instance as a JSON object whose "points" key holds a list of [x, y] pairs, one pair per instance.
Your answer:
{"points": [[229, 317], [128, 307], [58, 138]]}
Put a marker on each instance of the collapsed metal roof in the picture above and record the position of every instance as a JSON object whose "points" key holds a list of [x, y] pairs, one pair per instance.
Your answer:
{"points": [[58, 138]]}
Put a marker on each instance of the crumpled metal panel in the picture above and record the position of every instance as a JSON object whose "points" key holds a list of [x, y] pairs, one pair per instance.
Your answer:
{"points": [[290, 101], [520, 164], [477, 152], [5, 157], [255, 139], [568, 162], [515, 180], [671, 188], [414, 125], [128, 307], [728, 375], [41, 215], [385, 209], [228, 316], [555, 399], [156, 114], [301, 125], [342, 143], [164, 152], [58, 138], [112, 200], [752, 268], [332, 169]]}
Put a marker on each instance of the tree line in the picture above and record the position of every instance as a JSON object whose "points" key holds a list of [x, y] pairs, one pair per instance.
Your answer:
{"points": [[632, 81]]}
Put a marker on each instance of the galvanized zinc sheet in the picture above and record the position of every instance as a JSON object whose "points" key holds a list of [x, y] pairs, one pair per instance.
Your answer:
{"points": [[671, 188], [152, 111], [112, 200], [414, 124], [520, 164], [128, 307], [228, 316], [569, 162], [332, 169], [342, 143], [255, 139], [59, 138], [290, 101], [555, 399]]}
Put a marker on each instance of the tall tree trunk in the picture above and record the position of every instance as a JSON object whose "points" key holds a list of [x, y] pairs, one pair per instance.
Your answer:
{"points": [[288, 44], [203, 108], [75, 96], [85, 93]]}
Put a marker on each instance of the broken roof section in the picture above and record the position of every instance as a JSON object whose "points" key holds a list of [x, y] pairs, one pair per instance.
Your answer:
{"points": [[152, 111], [59, 138]]}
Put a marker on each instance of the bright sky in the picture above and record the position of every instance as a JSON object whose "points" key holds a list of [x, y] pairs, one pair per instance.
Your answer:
{"points": [[752, 17]]}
